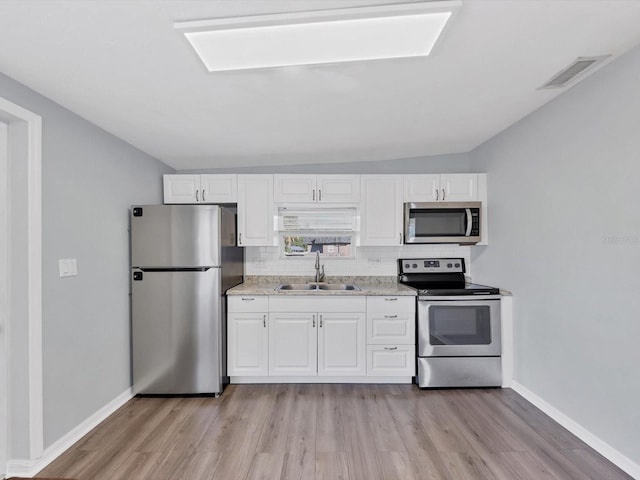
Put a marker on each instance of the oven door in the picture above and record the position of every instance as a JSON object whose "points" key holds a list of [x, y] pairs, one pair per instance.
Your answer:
{"points": [[456, 328]]}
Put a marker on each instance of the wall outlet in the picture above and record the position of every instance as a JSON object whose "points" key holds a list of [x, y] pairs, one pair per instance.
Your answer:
{"points": [[374, 262], [68, 267]]}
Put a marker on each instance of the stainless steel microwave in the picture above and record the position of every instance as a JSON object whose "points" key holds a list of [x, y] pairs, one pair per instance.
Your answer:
{"points": [[442, 222]]}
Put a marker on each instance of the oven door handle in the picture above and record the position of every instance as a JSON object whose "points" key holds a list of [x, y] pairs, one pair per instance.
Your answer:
{"points": [[469, 222]]}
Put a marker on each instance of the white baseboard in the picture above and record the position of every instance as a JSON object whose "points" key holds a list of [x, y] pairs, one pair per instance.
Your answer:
{"points": [[603, 448], [29, 468]]}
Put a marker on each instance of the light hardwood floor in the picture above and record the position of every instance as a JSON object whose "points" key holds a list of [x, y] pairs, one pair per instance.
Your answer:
{"points": [[332, 432]]}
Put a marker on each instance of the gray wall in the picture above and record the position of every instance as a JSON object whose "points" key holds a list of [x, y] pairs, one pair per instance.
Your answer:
{"points": [[89, 179], [563, 189], [457, 163]]}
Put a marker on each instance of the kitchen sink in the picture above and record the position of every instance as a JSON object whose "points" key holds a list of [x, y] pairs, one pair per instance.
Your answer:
{"points": [[314, 287], [296, 286], [337, 286]]}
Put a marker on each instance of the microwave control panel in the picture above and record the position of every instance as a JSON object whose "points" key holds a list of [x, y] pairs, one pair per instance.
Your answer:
{"points": [[432, 265]]}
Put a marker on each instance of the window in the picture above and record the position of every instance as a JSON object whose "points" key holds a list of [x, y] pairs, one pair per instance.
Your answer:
{"points": [[306, 244], [304, 232]]}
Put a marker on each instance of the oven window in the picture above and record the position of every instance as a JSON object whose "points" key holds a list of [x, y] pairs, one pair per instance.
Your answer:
{"points": [[463, 325], [438, 222]]}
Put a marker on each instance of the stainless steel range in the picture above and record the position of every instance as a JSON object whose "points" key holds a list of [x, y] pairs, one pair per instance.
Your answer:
{"points": [[458, 325]]}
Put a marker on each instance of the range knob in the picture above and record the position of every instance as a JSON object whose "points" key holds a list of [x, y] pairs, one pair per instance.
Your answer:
{"points": [[449, 265], [415, 265], [406, 265], [457, 265]]}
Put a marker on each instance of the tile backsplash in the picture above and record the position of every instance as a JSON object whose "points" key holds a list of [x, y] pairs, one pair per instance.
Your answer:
{"points": [[368, 261]]}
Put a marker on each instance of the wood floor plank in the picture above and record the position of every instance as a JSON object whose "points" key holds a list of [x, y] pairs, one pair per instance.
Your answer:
{"points": [[330, 424], [331, 466], [353, 432]]}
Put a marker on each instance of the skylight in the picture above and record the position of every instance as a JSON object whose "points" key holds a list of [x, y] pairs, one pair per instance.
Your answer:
{"points": [[327, 36]]}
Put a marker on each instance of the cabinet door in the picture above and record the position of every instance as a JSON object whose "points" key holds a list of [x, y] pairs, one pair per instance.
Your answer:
{"points": [[247, 344], [338, 188], [219, 188], [294, 188], [293, 344], [181, 188], [381, 210], [422, 188], [341, 344], [255, 210], [461, 187]]}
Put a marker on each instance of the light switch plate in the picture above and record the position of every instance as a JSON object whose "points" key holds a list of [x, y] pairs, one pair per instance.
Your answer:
{"points": [[68, 267]]}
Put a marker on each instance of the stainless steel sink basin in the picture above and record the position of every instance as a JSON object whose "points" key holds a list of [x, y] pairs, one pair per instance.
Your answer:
{"points": [[314, 287], [296, 286], [337, 286]]}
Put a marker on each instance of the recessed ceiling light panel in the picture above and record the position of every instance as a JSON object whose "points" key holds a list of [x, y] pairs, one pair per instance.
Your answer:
{"points": [[328, 36]]}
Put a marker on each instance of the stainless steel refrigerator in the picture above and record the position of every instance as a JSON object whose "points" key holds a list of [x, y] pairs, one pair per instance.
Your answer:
{"points": [[183, 260]]}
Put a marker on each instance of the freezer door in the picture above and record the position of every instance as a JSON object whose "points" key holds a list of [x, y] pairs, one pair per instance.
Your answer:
{"points": [[177, 332], [174, 236]]}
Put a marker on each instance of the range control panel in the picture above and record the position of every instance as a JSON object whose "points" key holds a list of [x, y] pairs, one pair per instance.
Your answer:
{"points": [[431, 265]]}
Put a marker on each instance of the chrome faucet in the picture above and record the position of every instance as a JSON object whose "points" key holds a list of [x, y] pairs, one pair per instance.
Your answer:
{"points": [[319, 274]]}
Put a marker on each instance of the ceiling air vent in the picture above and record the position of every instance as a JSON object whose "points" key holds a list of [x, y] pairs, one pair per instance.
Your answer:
{"points": [[577, 69]]}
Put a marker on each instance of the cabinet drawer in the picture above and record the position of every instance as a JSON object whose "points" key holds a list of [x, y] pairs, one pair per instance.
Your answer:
{"points": [[391, 328], [247, 303], [391, 304], [391, 360]]}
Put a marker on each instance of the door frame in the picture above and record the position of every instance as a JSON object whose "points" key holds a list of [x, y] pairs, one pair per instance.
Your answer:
{"points": [[11, 113]]}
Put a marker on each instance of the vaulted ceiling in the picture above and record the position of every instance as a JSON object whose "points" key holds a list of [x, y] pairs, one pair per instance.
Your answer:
{"points": [[122, 66]]}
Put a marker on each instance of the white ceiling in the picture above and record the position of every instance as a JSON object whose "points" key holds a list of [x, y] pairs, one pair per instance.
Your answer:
{"points": [[121, 65]]}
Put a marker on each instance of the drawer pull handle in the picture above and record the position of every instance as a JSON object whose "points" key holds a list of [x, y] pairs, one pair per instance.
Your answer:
{"points": [[390, 348], [247, 299], [395, 299], [264, 321], [320, 321], [391, 316], [314, 322]]}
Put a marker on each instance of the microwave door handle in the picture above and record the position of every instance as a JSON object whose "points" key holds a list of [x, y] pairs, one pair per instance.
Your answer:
{"points": [[469, 222]]}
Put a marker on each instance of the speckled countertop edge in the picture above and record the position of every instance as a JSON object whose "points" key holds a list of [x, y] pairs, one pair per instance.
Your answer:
{"points": [[266, 285]]}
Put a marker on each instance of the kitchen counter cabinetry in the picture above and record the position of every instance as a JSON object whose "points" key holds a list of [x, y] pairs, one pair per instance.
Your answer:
{"points": [[247, 335], [391, 336], [207, 189], [321, 339], [316, 188]]}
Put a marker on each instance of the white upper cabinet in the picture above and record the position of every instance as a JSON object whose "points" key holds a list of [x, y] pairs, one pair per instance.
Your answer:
{"points": [[316, 188], [219, 188], [199, 188], [381, 210], [181, 188], [255, 210], [453, 187]]}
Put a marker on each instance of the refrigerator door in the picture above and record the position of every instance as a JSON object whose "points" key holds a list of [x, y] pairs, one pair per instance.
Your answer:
{"points": [[175, 236], [177, 332]]}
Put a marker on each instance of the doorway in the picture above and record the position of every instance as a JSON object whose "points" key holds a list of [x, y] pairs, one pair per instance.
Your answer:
{"points": [[21, 403], [4, 293]]}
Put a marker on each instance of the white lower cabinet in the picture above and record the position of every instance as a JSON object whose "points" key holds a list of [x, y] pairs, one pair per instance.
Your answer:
{"points": [[247, 336], [308, 337], [391, 336], [341, 344], [292, 344]]}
